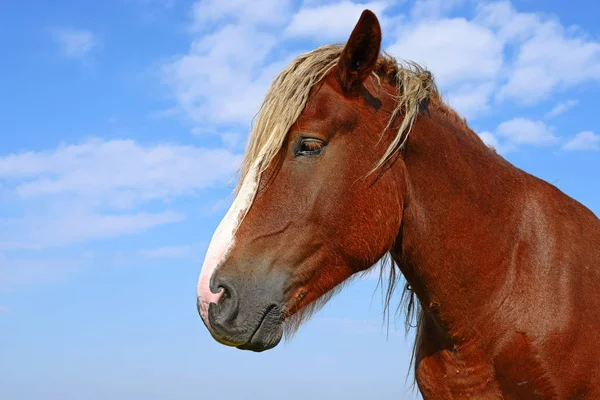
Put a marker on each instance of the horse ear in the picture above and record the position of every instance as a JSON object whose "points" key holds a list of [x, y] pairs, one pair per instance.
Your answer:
{"points": [[361, 51]]}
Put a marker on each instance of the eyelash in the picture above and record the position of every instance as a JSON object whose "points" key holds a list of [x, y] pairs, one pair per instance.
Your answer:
{"points": [[310, 147]]}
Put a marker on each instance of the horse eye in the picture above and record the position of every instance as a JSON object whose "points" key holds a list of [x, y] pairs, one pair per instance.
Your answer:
{"points": [[310, 147]]}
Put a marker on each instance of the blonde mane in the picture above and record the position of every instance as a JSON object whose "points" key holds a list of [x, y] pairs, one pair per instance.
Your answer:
{"points": [[289, 92]]}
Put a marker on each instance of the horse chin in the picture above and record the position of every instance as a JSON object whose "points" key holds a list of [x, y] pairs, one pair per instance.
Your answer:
{"points": [[268, 334], [265, 335], [265, 338]]}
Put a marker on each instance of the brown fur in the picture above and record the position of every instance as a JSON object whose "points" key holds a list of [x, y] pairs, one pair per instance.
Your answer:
{"points": [[505, 266]]}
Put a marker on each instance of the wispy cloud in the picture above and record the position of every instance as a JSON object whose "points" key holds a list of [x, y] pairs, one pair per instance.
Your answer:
{"points": [[331, 21], [75, 43], [100, 189], [456, 50], [561, 108], [4, 310], [470, 57], [207, 13], [471, 100], [120, 174], [586, 140], [549, 56], [224, 76], [490, 139], [517, 132], [41, 230], [523, 131]]}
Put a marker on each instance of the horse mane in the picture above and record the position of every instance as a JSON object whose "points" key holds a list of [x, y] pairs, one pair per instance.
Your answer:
{"points": [[289, 92], [285, 100]]}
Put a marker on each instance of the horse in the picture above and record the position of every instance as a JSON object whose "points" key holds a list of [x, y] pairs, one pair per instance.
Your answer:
{"points": [[354, 157]]}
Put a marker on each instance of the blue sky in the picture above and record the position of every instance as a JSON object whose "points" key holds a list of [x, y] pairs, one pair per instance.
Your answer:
{"points": [[122, 122]]}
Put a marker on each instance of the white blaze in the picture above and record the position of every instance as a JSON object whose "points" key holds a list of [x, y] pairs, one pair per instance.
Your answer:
{"points": [[223, 239]]}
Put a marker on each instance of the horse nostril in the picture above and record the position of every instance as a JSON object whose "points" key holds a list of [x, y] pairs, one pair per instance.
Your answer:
{"points": [[225, 296], [228, 303]]}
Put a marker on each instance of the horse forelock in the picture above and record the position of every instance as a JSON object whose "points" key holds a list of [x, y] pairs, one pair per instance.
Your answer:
{"points": [[289, 93]]}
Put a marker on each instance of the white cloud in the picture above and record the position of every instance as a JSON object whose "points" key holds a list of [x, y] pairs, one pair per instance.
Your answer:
{"points": [[117, 173], [471, 100], [498, 52], [4, 310], [331, 21], [224, 76], [510, 25], [472, 58], [239, 48], [79, 192], [517, 132], [206, 13], [561, 108], [455, 50], [75, 43], [491, 140], [522, 131], [549, 57], [465, 56], [40, 231], [586, 140]]}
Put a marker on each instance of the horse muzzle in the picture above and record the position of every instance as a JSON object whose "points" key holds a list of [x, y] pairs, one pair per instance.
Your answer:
{"points": [[247, 315]]}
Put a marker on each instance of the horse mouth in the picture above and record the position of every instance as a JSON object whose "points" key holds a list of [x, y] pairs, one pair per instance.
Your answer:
{"points": [[267, 334]]}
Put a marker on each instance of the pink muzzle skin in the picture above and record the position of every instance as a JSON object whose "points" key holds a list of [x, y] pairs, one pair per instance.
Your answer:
{"points": [[205, 295], [223, 240]]}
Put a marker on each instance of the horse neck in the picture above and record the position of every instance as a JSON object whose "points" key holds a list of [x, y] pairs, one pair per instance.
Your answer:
{"points": [[456, 221]]}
